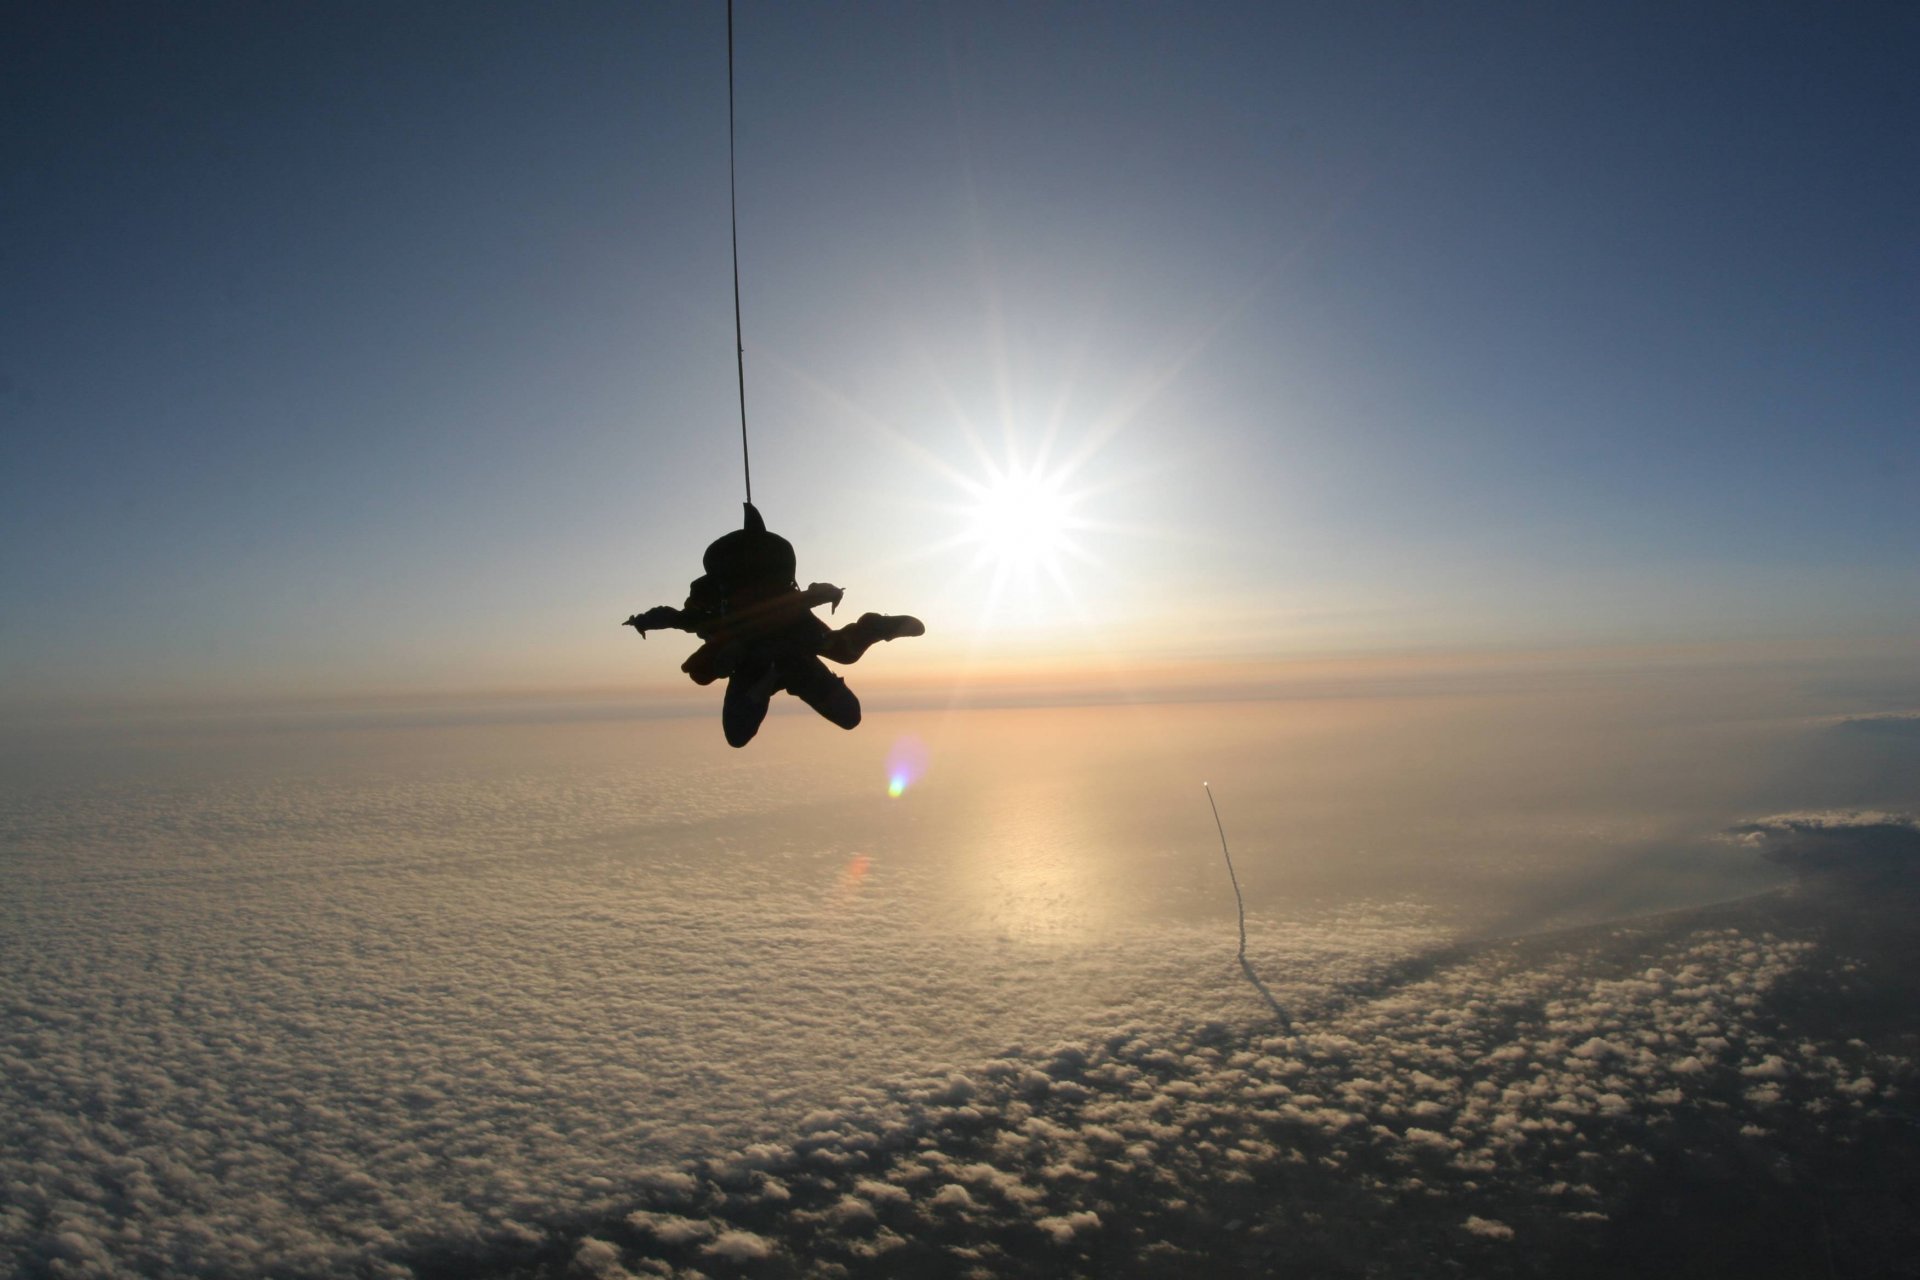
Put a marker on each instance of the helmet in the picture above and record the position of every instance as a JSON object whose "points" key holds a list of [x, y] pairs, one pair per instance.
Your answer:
{"points": [[750, 555]]}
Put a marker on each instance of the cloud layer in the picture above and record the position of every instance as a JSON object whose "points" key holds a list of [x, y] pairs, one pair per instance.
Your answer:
{"points": [[304, 1025], [1515, 1100], [260, 1018]]}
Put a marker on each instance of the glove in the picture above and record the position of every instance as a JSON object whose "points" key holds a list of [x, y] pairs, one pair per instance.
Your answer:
{"points": [[661, 615]]}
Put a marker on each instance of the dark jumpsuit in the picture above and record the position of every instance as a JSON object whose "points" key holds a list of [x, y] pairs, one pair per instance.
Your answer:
{"points": [[762, 635]]}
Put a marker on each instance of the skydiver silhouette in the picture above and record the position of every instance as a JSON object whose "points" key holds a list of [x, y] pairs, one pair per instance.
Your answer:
{"points": [[760, 631]]}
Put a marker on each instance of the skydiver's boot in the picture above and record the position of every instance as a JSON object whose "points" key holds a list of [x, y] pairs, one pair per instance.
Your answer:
{"points": [[854, 639], [890, 626]]}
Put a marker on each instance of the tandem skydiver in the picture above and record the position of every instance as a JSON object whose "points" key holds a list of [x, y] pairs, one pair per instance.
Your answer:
{"points": [[761, 634]]}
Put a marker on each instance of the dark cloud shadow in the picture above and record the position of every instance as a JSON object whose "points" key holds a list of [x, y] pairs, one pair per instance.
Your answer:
{"points": [[1279, 1011], [1738, 1145]]}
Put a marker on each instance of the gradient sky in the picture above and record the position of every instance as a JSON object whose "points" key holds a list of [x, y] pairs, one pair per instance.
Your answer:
{"points": [[387, 347]]}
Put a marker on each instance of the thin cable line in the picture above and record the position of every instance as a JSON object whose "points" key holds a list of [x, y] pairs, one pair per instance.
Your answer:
{"points": [[733, 213]]}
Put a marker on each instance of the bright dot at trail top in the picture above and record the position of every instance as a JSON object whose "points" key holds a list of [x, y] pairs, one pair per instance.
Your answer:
{"points": [[906, 761]]}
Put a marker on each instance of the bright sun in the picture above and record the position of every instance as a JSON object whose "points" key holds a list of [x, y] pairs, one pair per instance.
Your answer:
{"points": [[1021, 522]]}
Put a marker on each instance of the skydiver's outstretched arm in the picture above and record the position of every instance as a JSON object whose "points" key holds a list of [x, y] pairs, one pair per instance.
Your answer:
{"points": [[660, 617]]}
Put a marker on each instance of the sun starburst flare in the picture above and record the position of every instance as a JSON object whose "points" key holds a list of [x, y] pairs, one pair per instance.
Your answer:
{"points": [[1021, 520]]}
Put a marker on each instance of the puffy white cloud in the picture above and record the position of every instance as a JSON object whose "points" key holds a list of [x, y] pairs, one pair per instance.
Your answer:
{"points": [[1428, 1139], [1064, 1228], [850, 1213], [671, 1229], [738, 1246], [881, 1193], [1597, 1048], [952, 1198], [599, 1259]]}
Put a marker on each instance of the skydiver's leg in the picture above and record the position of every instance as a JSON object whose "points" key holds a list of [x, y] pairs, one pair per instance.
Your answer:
{"points": [[709, 662], [808, 679], [849, 642], [749, 689]]}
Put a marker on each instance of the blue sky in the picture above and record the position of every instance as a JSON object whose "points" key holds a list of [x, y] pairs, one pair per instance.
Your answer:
{"points": [[375, 348]]}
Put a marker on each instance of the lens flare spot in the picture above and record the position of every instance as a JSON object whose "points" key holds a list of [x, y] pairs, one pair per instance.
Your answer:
{"points": [[906, 762]]}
